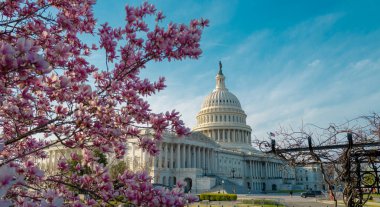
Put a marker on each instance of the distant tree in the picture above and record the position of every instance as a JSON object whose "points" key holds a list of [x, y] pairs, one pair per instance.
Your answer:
{"points": [[50, 94]]}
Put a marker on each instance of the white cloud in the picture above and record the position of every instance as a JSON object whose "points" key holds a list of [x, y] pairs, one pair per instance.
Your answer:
{"points": [[314, 63]]}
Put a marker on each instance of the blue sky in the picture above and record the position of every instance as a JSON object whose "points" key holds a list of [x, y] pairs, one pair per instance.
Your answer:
{"points": [[288, 62]]}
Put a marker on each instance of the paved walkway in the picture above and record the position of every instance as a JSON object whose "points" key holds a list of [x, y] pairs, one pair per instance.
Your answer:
{"points": [[310, 204], [289, 201], [293, 201]]}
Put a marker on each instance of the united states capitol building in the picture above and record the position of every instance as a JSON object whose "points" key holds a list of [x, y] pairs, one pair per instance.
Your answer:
{"points": [[217, 155]]}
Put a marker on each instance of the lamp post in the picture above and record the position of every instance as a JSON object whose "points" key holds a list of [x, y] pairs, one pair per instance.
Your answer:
{"points": [[223, 186], [233, 173], [233, 177]]}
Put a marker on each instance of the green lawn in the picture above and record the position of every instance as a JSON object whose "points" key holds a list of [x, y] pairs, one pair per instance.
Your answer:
{"points": [[239, 203], [234, 205], [375, 195]]}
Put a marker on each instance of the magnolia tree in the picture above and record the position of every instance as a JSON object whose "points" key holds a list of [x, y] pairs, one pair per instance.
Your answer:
{"points": [[51, 95]]}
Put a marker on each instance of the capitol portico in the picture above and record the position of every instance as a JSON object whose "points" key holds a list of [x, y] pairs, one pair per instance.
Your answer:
{"points": [[217, 155]]}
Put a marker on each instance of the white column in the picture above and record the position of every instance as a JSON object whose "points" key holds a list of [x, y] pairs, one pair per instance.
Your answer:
{"points": [[256, 170], [142, 158], [187, 156], [160, 156], [178, 156], [259, 168], [204, 157], [271, 170], [191, 156], [171, 155], [217, 162], [209, 160], [133, 156], [166, 156], [183, 155], [249, 170], [278, 170], [200, 159], [212, 163], [195, 156]]}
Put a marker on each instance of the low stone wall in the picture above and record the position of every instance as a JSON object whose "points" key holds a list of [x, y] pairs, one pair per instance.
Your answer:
{"points": [[204, 184]]}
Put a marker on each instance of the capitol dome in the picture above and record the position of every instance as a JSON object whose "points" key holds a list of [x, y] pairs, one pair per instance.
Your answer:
{"points": [[222, 119], [220, 98]]}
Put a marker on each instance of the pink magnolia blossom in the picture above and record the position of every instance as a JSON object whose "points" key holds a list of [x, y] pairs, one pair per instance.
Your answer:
{"points": [[52, 96]]}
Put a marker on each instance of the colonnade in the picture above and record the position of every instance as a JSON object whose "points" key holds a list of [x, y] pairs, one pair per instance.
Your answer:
{"points": [[50, 164], [180, 155], [206, 119], [229, 135], [262, 169]]}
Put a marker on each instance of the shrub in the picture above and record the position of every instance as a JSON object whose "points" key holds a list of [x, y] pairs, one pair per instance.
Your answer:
{"points": [[218, 197]]}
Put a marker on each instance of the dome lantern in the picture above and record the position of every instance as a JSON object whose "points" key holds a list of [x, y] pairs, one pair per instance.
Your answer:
{"points": [[220, 84]]}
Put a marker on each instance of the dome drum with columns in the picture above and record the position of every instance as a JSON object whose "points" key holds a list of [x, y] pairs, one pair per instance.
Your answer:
{"points": [[219, 149]]}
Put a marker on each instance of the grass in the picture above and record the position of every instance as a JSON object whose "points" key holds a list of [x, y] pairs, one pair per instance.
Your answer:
{"points": [[235, 205], [375, 195], [240, 203]]}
